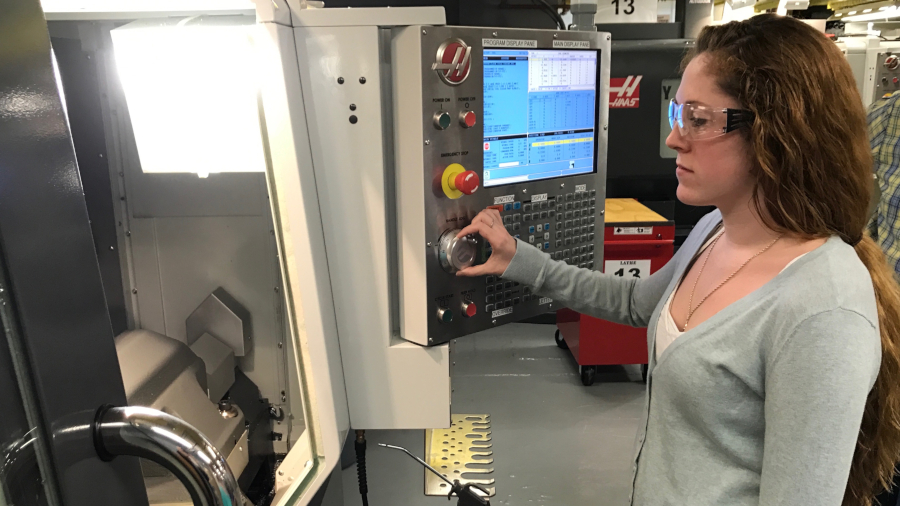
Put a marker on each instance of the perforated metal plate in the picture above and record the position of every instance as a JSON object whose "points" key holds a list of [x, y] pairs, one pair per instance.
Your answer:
{"points": [[462, 452]]}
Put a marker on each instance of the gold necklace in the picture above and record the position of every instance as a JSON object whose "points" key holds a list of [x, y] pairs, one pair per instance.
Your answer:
{"points": [[703, 265]]}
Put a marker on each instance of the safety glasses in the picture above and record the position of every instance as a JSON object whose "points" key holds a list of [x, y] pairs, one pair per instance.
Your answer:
{"points": [[698, 122]]}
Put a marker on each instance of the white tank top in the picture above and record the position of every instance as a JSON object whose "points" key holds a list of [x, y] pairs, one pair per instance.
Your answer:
{"points": [[666, 330]]}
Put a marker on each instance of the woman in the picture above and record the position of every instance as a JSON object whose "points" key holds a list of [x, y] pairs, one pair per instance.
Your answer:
{"points": [[774, 331]]}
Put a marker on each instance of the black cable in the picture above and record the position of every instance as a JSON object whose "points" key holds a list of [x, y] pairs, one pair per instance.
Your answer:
{"points": [[553, 12], [360, 445]]}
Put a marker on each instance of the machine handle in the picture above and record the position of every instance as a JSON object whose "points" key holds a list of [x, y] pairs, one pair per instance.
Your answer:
{"points": [[172, 443]]}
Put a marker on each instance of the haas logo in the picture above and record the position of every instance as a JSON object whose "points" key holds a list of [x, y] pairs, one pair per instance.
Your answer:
{"points": [[453, 60], [625, 92]]}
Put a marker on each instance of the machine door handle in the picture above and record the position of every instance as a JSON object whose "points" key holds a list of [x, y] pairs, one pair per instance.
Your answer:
{"points": [[172, 443]]}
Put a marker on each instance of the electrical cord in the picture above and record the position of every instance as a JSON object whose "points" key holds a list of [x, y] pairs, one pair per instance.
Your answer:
{"points": [[552, 12], [360, 445]]}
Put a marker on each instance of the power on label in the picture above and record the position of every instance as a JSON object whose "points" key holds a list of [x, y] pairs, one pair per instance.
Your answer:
{"points": [[502, 312]]}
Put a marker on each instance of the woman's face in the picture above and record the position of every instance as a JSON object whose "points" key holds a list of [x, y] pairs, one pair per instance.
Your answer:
{"points": [[713, 171]]}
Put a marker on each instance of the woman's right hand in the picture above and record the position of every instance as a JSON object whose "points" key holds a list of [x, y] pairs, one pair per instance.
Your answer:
{"points": [[489, 225]]}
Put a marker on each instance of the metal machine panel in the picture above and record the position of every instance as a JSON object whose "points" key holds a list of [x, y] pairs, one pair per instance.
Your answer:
{"points": [[426, 148], [391, 384]]}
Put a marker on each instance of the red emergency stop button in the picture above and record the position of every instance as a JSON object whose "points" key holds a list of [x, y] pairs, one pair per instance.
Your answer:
{"points": [[895, 80], [467, 119], [467, 182], [469, 309]]}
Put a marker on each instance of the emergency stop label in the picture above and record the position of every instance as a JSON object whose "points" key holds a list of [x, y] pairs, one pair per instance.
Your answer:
{"points": [[506, 199], [633, 231], [502, 312]]}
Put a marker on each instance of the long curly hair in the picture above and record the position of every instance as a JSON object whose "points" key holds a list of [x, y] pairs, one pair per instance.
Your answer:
{"points": [[813, 168]]}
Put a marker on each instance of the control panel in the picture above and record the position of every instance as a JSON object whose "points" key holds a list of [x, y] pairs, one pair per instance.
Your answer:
{"points": [[887, 74], [510, 119]]}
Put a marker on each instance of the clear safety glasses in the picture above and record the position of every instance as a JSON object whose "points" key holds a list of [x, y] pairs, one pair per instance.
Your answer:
{"points": [[698, 122]]}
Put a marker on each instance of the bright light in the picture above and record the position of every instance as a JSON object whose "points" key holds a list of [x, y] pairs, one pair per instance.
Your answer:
{"points": [[883, 13], [838, 14], [865, 11], [191, 91]]}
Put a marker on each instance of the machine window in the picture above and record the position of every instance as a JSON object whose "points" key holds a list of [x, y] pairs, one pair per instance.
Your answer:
{"points": [[540, 109]]}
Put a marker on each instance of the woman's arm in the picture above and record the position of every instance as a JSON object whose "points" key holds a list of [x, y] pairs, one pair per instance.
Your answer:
{"points": [[817, 384], [630, 301], [623, 300]]}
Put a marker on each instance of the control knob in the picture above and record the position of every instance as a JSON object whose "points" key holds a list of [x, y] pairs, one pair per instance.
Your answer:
{"points": [[456, 253]]}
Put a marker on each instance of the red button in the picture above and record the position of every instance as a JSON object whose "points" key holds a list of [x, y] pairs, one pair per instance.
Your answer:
{"points": [[896, 80], [467, 119], [467, 182], [469, 309]]}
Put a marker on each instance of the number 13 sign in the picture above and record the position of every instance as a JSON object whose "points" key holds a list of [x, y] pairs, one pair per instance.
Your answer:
{"points": [[627, 268], [626, 11]]}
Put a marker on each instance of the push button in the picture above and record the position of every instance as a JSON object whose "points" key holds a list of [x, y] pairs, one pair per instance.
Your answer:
{"points": [[441, 120], [469, 309], [467, 119], [445, 315]]}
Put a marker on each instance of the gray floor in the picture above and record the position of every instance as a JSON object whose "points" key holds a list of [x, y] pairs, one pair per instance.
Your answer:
{"points": [[556, 442]]}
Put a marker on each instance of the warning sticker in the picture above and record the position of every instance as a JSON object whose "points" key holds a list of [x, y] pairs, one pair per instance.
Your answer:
{"points": [[633, 231], [501, 312]]}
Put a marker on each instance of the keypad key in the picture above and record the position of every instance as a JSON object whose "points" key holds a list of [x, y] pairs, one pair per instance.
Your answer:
{"points": [[489, 279], [545, 205], [498, 287], [585, 196], [517, 205], [559, 234], [488, 308], [592, 218], [593, 210], [515, 283], [539, 227], [517, 218], [531, 238], [517, 226], [507, 295], [569, 205], [540, 246], [489, 299], [591, 236], [570, 196], [593, 193], [551, 213], [591, 247], [546, 236], [590, 265], [517, 235], [526, 298], [531, 229], [568, 215], [559, 208], [566, 253], [576, 213], [546, 226], [516, 301], [585, 221], [489, 289], [499, 305], [568, 241], [578, 205], [547, 244], [559, 243], [507, 207], [544, 215], [508, 228], [526, 208], [568, 233], [593, 202], [590, 255]]}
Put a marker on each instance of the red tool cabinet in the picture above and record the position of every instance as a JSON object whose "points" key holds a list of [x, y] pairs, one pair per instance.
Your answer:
{"points": [[637, 242]]}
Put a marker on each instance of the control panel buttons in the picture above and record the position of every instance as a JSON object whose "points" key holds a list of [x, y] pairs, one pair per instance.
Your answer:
{"points": [[467, 119], [442, 120], [444, 315], [469, 309], [456, 253]]}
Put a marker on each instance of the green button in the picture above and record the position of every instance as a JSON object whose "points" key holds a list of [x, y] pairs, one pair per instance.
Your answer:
{"points": [[447, 317], [445, 123]]}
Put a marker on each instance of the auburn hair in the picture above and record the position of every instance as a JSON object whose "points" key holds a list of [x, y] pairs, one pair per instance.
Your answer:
{"points": [[813, 168]]}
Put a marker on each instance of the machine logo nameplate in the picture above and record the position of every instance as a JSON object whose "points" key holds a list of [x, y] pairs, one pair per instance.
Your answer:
{"points": [[509, 43], [502, 312], [625, 92], [505, 199], [453, 61]]}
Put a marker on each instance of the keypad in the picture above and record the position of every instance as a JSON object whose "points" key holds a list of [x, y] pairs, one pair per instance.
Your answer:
{"points": [[562, 226]]}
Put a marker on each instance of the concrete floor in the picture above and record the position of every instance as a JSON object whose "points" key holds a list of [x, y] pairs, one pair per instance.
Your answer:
{"points": [[556, 442]]}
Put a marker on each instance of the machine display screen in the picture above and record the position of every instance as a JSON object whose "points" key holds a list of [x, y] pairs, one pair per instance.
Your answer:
{"points": [[540, 110]]}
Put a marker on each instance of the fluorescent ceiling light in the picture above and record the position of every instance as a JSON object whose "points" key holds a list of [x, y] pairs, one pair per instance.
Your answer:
{"points": [[134, 9], [192, 93], [883, 13]]}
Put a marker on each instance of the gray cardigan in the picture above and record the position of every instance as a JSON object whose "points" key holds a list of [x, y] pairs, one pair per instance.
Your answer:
{"points": [[760, 404]]}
